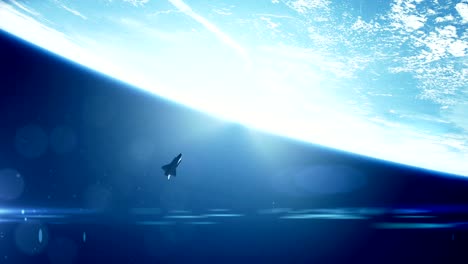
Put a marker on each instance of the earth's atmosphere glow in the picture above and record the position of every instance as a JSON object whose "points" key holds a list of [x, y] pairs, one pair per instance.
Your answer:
{"points": [[385, 80]]}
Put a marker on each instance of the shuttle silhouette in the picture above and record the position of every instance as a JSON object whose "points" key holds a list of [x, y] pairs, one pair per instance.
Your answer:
{"points": [[170, 169]]}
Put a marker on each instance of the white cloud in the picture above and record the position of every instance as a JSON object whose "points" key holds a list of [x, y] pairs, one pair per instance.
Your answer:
{"points": [[428, 55], [414, 22], [164, 12], [462, 9], [415, 43], [273, 15], [444, 19], [448, 32], [305, 6], [147, 30], [270, 24], [362, 25], [222, 11], [24, 8], [458, 48], [431, 12], [404, 15], [183, 7], [137, 3], [76, 13]]}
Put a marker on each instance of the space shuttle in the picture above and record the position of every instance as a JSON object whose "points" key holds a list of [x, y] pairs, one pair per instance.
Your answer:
{"points": [[170, 169]]}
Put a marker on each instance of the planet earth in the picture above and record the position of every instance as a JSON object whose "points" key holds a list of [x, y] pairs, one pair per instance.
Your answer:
{"points": [[384, 79]]}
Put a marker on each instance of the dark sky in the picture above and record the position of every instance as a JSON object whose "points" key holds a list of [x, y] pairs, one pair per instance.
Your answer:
{"points": [[81, 139]]}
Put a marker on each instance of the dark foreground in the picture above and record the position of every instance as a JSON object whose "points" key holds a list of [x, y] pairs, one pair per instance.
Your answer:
{"points": [[428, 234]]}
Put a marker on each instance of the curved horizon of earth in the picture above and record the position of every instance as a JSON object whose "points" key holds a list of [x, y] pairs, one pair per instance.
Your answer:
{"points": [[384, 79]]}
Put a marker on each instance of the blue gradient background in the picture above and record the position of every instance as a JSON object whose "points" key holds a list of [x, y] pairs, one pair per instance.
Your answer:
{"points": [[240, 195]]}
